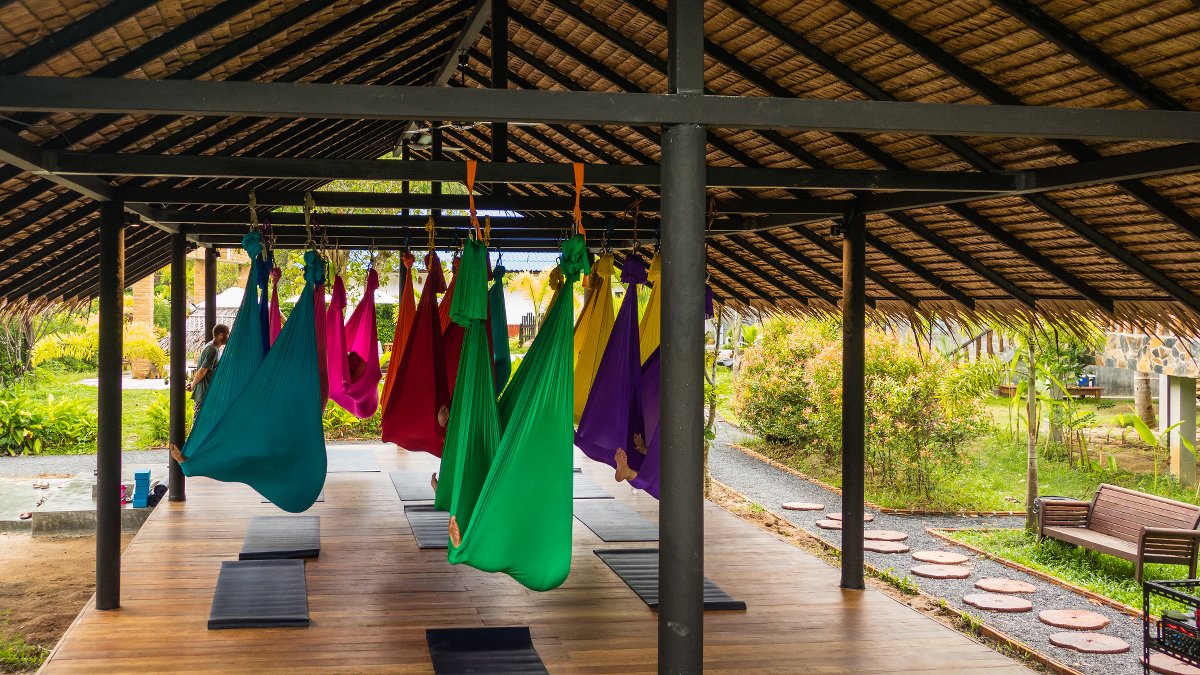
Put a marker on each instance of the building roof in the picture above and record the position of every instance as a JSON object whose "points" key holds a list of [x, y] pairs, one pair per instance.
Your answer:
{"points": [[1125, 249]]}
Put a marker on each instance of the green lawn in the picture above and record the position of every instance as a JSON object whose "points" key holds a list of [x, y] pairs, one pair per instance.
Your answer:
{"points": [[17, 656], [1102, 574], [134, 403]]}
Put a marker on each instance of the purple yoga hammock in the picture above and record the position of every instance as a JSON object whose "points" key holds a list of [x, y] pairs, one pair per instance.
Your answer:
{"points": [[352, 350], [613, 413]]}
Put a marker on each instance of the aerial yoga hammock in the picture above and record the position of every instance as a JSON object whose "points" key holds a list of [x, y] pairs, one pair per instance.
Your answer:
{"points": [[415, 415], [592, 330], [612, 417], [406, 309], [261, 420], [452, 333], [651, 328], [352, 349], [276, 316]]}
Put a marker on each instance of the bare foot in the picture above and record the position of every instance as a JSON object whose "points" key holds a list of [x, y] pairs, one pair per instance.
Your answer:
{"points": [[177, 454], [443, 416], [455, 535], [623, 470], [433, 482], [640, 444]]}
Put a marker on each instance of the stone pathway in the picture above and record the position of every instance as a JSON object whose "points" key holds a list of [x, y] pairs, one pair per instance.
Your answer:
{"points": [[971, 575]]}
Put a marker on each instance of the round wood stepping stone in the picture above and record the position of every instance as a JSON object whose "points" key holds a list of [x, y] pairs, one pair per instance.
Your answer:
{"points": [[1073, 619], [1004, 586], [884, 535], [940, 557], [829, 524], [1169, 665], [999, 603], [838, 516], [885, 547], [941, 571], [803, 506], [1090, 643]]}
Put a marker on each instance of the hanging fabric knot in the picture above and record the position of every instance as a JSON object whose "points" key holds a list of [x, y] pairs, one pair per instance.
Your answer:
{"points": [[574, 259], [557, 278], [435, 281], [252, 243], [314, 268], [276, 274], [470, 301], [578, 167], [408, 259], [498, 273], [429, 228], [634, 271]]}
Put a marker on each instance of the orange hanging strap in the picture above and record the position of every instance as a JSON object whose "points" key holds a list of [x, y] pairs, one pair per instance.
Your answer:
{"points": [[472, 165], [578, 192], [429, 226]]}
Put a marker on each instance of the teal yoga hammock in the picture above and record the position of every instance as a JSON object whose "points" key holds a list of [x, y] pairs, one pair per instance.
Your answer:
{"points": [[261, 420], [510, 491]]}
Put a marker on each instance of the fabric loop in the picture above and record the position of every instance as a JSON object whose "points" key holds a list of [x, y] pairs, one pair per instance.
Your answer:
{"points": [[574, 258], [314, 268], [252, 244], [634, 271]]}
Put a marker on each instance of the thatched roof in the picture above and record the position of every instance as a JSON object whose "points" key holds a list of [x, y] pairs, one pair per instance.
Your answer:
{"points": [[1003, 256]]}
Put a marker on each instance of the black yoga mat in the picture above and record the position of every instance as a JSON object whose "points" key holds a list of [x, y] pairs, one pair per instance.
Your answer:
{"points": [[429, 527], [282, 537], [260, 594], [586, 489], [638, 568], [412, 486], [613, 521], [483, 650], [351, 460], [320, 498]]}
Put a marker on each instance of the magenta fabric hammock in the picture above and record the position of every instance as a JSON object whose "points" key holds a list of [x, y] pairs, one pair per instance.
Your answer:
{"points": [[613, 413], [275, 317], [352, 350]]}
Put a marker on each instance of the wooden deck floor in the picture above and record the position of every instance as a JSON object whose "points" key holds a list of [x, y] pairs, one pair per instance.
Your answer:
{"points": [[372, 594]]}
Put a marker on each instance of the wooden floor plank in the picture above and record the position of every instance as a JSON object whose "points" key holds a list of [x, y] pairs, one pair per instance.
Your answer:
{"points": [[372, 594]]}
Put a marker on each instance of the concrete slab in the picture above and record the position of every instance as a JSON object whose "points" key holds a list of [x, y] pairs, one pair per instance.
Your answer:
{"points": [[68, 506]]}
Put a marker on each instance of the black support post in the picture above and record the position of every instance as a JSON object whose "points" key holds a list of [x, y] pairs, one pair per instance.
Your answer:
{"points": [[435, 187], [179, 377], [210, 292], [108, 407], [854, 324], [500, 81], [681, 511]]}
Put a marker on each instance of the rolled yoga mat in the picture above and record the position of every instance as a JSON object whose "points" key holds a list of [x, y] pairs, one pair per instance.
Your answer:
{"points": [[638, 568], [613, 521], [483, 650], [431, 528], [260, 594], [282, 538]]}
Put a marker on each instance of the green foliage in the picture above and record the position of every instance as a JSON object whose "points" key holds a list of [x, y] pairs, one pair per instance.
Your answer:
{"points": [[142, 348], [79, 342], [790, 391], [385, 321], [158, 418], [342, 425], [17, 656], [31, 427]]}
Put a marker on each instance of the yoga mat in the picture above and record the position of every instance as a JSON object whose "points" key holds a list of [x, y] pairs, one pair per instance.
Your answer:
{"points": [[429, 527], [483, 650], [320, 498], [586, 489], [412, 486], [282, 537], [613, 521], [638, 568], [259, 594], [348, 461]]}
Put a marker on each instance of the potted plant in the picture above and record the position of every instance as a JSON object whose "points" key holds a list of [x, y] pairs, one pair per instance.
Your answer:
{"points": [[145, 357]]}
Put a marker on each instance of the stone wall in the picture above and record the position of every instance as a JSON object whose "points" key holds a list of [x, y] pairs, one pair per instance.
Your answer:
{"points": [[1167, 355]]}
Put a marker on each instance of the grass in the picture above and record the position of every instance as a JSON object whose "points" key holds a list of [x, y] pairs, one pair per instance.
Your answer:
{"points": [[135, 423], [1102, 574], [992, 478], [18, 656]]}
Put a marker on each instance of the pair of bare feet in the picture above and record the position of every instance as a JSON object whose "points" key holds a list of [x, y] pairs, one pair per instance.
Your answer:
{"points": [[624, 472]]}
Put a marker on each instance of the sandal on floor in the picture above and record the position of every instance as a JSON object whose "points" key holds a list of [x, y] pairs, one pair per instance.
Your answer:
{"points": [[26, 516]]}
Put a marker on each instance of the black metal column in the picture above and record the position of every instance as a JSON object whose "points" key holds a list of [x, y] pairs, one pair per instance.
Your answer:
{"points": [[681, 511], [108, 407], [179, 376], [435, 187], [210, 292], [854, 325], [500, 81]]}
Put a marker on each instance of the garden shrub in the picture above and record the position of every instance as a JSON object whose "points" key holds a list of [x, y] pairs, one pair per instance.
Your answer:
{"points": [[53, 426], [790, 392], [158, 414], [342, 425]]}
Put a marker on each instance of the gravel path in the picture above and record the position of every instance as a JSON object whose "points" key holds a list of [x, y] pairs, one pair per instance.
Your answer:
{"points": [[27, 467], [771, 487]]}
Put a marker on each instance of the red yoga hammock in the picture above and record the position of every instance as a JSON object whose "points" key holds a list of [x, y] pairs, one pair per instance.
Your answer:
{"points": [[410, 418], [452, 333], [352, 350], [405, 311]]}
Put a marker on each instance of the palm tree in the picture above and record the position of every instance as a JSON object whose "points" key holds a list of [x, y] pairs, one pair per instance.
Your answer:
{"points": [[536, 287]]}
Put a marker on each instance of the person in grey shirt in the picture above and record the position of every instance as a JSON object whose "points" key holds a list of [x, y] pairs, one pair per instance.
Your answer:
{"points": [[206, 368]]}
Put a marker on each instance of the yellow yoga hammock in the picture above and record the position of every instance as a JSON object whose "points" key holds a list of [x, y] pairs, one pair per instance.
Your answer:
{"points": [[651, 326], [592, 330]]}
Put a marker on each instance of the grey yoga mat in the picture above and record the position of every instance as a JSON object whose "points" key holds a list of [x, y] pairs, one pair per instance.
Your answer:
{"points": [[429, 527], [412, 486], [638, 568], [281, 538], [351, 460], [260, 594], [613, 521], [457, 651]]}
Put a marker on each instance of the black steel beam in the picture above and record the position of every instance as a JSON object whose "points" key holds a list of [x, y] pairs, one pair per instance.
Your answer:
{"points": [[343, 101], [854, 422], [178, 354], [108, 408], [210, 291], [499, 37]]}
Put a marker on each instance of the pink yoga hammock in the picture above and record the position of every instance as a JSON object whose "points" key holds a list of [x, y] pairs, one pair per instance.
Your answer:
{"points": [[275, 317], [352, 350]]}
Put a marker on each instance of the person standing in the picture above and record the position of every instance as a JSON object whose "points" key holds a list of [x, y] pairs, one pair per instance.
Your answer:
{"points": [[206, 368]]}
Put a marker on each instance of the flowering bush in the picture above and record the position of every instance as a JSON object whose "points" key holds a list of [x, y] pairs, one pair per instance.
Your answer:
{"points": [[790, 392]]}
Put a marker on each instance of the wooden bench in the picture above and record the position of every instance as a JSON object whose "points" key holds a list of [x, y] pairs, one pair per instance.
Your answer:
{"points": [[1127, 524]]}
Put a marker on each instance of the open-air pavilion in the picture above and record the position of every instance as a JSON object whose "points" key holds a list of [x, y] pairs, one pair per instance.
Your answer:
{"points": [[873, 158]]}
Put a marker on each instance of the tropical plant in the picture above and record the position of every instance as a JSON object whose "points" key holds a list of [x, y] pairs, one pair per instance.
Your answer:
{"points": [[159, 416], [535, 287]]}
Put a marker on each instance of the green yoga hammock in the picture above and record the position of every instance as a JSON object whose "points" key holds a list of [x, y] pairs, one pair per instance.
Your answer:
{"points": [[510, 491], [261, 420]]}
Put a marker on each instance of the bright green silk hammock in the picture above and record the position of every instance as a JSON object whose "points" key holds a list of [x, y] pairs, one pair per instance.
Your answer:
{"points": [[261, 420], [514, 505]]}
